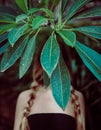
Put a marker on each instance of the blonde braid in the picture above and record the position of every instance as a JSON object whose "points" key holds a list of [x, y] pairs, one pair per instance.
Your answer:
{"points": [[77, 110], [24, 124]]}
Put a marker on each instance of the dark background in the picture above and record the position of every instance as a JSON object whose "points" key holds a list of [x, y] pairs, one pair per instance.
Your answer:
{"points": [[83, 80]]}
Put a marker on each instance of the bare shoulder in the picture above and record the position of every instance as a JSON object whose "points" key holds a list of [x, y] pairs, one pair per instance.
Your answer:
{"points": [[23, 97]]}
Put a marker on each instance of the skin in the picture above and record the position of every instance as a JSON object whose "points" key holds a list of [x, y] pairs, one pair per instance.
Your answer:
{"points": [[45, 103]]}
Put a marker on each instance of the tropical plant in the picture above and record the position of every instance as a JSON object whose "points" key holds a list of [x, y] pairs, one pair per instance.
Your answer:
{"points": [[20, 31]]}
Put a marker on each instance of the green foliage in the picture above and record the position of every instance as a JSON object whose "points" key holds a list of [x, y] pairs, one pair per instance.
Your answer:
{"points": [[16, 33], [55, 20], [27, 57], [39, 21], [68, 36], [23, 5], [50, 55], [61, 89], [75, 7], [92, 31], [91, 59], [12, 54]]}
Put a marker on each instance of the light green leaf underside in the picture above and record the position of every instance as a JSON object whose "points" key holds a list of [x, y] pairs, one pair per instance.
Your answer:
{"points": [[16, 33], [91, 58], [27, 56], [75, 7], [12, 54], [39, 21], [68, 36], [60, 84], [50, 55], [21, 17], [92, 31]]}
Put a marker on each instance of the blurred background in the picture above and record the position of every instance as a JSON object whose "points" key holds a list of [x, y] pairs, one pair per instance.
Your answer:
{"points": [[83, 80]]}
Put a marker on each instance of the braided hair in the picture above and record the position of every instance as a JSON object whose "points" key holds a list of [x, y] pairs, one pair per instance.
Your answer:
{"points": [[38, 81]]}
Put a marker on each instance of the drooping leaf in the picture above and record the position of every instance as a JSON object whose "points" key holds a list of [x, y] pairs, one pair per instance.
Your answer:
{"points": [[94, 12], [27, 57], [12, 54], [39, 21], [91, 58], [23, 5], [3, 37], [16, 33], [3, 48], [60, 84], [6, 27], [68, 36], [50, 55], [92, 31], [75, 7], [21, 17]]}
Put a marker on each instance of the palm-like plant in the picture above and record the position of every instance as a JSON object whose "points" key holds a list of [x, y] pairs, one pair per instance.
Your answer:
{"points": [[58, 18]]}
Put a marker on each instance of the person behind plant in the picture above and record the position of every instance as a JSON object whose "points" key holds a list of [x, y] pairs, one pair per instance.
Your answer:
{"points": [[37, 109]]}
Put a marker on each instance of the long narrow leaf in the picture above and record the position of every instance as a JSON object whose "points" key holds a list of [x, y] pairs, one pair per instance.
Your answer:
{"points": [[3, 37], [3, 48], [12, 54], [68, 36], [91, 58], [60, 84], [94, 12], [27, 57], [75, 7], [23, 5], [92, 31], [16, 33], [50, 55]]}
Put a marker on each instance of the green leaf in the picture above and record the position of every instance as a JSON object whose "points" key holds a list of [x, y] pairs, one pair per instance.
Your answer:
{"points": [[3, 37], [75, 7], [91, 58], [68, 36], [6, 28], [92, 31], [64, 4], [27, 57], [60, 84], [39, 21], [3, 48], [47, 11], [46, 79], [16, 33], [23, 5], [21, 17], [12, 54], [6, 18], [94, 12], [50, 55], [33, 10]]}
